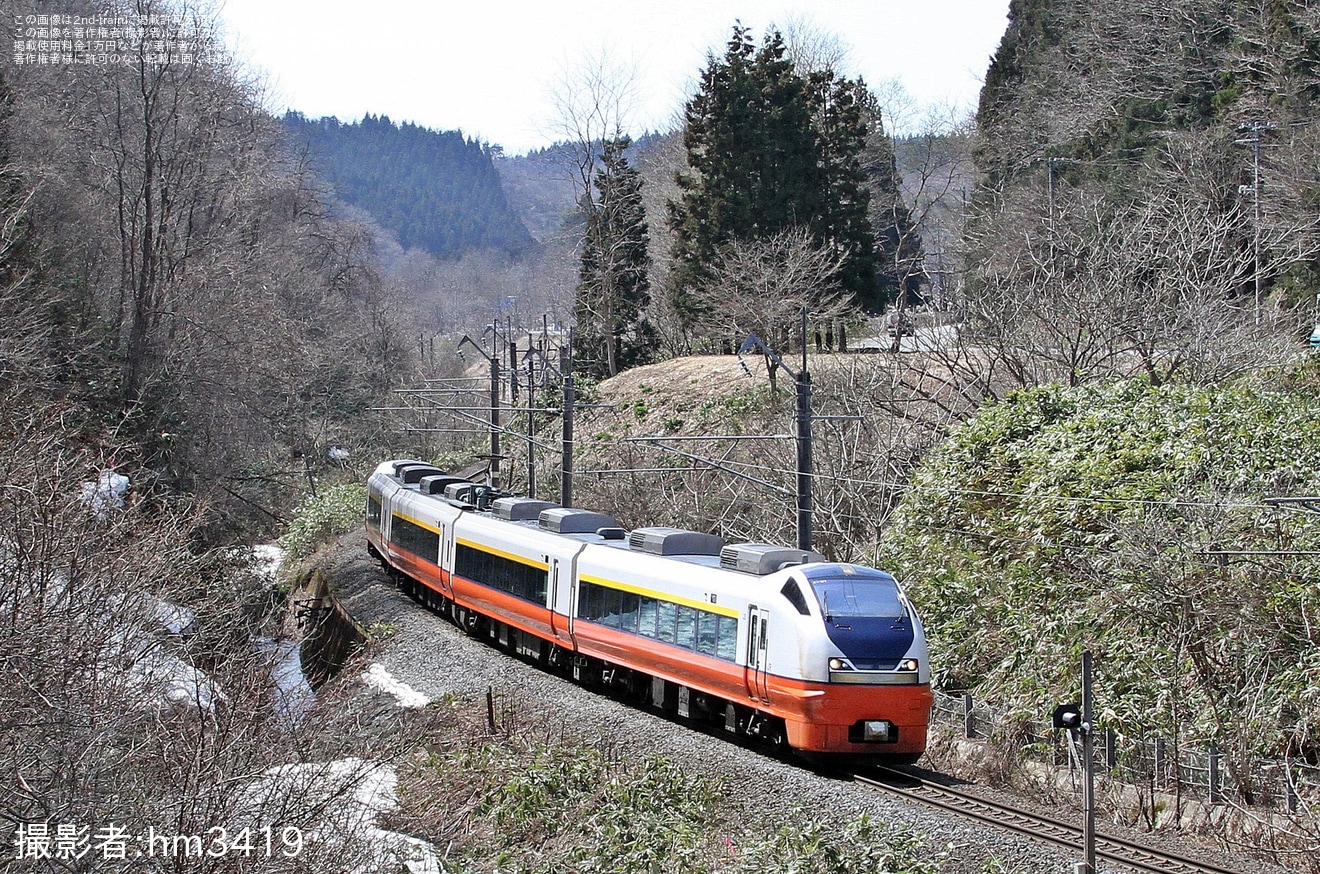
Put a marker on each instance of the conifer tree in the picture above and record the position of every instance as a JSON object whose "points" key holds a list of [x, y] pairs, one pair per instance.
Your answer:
{"points": [[612, 332], [770, 149]]}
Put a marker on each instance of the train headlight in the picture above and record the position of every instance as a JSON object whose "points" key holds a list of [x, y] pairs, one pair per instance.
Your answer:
{"points": [[908, 665], [838, 664], [877, 730]]}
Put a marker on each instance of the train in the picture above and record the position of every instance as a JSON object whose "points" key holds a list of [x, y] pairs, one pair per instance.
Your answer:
{"points": [[826, 659]]}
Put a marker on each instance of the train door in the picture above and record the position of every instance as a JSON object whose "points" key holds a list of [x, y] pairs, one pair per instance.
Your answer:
{"points": [[560, 600], [757, 631], [445, 560], [558, 610]]}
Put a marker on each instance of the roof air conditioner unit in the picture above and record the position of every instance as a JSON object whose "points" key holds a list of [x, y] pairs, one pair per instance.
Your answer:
{"points": [[519, 509], [572, 520], [764, 558], [674, 541]]}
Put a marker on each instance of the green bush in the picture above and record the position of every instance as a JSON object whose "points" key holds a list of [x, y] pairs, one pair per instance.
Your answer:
{"points": [[337, 510], [544, 809], [1127, 519]]}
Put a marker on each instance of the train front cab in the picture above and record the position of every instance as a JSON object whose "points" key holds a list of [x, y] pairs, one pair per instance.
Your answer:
{"points": [[851, 674]]}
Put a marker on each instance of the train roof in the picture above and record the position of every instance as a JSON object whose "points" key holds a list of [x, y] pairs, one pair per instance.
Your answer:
{"points": [[587, 526]]}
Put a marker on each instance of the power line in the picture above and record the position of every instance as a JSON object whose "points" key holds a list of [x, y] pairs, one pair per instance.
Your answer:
{"points": [[1265, 504]]}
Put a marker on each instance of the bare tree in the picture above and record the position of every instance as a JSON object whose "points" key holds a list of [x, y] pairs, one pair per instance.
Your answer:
{"points": [[211, 306], [594, 102], [760, 286], [812, 49], [1091, 284]]}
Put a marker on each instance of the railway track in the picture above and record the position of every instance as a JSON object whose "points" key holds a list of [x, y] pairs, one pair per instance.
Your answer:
{"points": [[1114, 850]]}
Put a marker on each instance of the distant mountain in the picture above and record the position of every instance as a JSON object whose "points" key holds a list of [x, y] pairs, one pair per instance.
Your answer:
{"points": [[436, 191], [542, 184], [540, 187]]}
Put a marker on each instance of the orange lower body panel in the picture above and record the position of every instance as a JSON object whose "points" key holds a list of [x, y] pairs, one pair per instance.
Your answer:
{"points": [[423, 572], [512, 611], [821, 715], [818, 716], [694, 670]]}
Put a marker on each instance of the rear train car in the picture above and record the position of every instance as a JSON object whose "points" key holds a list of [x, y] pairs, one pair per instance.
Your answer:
{"points": [[829, 659]]}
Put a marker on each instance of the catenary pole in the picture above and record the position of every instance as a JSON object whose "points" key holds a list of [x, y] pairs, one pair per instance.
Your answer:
{"points": [[802, 383], [566, 451]]}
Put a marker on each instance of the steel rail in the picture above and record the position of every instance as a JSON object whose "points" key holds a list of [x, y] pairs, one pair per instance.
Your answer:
{"points": [[1112, 849]]}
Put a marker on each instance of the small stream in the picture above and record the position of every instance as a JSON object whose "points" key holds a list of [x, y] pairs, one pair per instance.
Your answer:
{"points": [[292, 692]]}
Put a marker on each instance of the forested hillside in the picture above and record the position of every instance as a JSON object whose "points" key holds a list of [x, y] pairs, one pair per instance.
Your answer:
{"points": [[436, 191], [1148, 185]]}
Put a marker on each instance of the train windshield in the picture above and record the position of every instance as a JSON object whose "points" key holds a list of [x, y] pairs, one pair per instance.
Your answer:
{"points": [[857, 594]]}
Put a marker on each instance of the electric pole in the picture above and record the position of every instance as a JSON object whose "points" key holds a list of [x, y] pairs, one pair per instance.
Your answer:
{"points": [[1077, 719], [1255, 129], [494, 362], [566, 447], [802, 382], [1088, 768], [802, 430]]}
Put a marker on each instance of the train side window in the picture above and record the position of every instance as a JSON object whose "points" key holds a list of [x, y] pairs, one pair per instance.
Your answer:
{"points": [[707, 633], [514, 577], [419, 541], [794, 596], [531, 582], [629, 612], [646, 617], [666, 615], [687, 628], [613, 607], [726, 630], [591, 601]]}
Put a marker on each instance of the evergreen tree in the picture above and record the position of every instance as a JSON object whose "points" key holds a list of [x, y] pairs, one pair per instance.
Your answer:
{"points": [[769, 150], [862, 189], [612, 332]]}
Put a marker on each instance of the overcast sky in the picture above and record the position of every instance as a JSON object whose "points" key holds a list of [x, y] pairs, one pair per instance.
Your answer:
{"points": [[489, 69]]}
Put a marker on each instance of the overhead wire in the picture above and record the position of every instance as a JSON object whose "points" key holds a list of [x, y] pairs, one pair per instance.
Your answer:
{"points": [[955, 490]]}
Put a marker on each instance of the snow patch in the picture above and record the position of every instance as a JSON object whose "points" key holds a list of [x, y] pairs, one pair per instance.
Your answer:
{"points": [[167, 679], [382, 680], [294, 696], [106, 494], [352, 795], [267, 559]]}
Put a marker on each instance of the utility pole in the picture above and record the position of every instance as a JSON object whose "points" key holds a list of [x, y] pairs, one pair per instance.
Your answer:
{"points": [[802, 382], [494, 361], [1088, 768], [802, 421], [566, 450], [1255, 129], [494, 422], [1078, 720], [531, 427], [1050, 164]]}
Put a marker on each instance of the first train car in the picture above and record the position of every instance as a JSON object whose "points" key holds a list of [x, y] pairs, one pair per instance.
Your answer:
{"points": [[771, 642]]}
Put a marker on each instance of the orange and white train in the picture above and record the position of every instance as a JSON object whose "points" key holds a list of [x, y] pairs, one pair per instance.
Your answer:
{"points": [[768, 641]]}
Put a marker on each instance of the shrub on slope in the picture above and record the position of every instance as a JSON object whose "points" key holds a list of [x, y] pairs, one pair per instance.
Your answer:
{"points": [[1128, 519]]}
